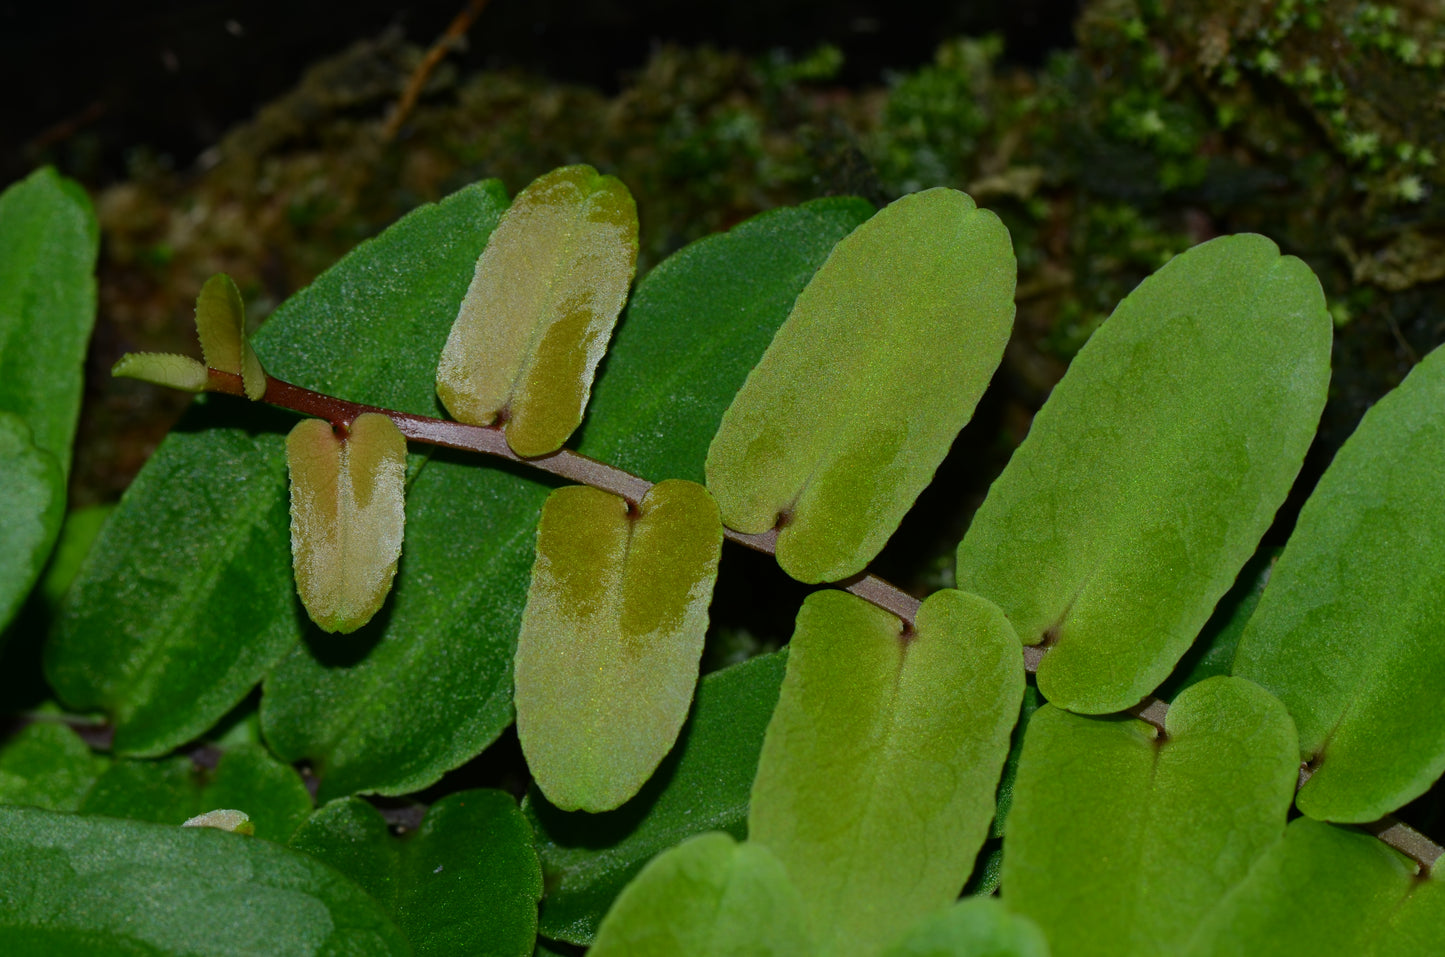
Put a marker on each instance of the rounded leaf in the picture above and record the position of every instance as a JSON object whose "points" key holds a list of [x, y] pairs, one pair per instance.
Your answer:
{"points": [[221, 326]]}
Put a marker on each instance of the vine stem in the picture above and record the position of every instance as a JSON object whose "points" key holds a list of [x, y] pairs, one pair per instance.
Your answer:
{"points": [[564, 463]]}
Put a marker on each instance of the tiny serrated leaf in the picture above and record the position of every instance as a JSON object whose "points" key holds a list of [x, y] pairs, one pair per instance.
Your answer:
{"points": [[348, 513], [540, 309], [862, 391], [163, 368], [221, 326], [608, 655], [876, 783], [707, 897]]}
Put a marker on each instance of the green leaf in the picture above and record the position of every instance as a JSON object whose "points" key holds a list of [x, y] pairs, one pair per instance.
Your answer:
{"points": [[1120, 842], [975, 926], [467, 882], [181, 607], [707, 897], [608, 655], [48, 245], [696, 325], [1161, 455], [163, 368], [1327, 891], [864, 388], [221, 327], [702, 785], [84, 885], [540, 309], [47, 765], [1213, 653], [876, 783], [1350, 632], [32, 507], [77, 534], [348, 512], [246, 778]]}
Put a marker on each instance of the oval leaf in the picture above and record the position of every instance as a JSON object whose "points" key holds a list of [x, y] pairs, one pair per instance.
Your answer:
{"points": [[608, 655], [707, 897], [860, 394], [540, 309], [1120, 842], [1161, 456], [74, 885], [1350, 632], [976, 927], [221, 326], [876, 783], [163, 368], [32, 508], [348, 512]]}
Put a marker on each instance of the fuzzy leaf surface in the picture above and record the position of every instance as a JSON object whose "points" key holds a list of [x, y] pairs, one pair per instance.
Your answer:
{"points": [[540, 309], [1161, 455], [861, 710], [707, 897], [466, 882], [85, 885], [702, 785], [1327, 891], [1155, 832], [221, 327], [47, 765], [608, 655], [182, 606], [1350, 633], [976, 927], [862, 391], [170, 791]]}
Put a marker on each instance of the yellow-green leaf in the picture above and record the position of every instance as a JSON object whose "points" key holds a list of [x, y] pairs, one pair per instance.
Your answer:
{"points": [[608, 655], [865, 386], [221, 325], [347, 515], [541, 307], [163, 368]]}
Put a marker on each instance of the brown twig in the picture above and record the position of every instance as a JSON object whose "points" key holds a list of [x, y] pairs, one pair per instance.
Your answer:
{"points": [[455, 33]]}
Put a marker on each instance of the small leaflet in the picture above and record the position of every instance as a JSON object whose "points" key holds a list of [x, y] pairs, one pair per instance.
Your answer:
{"points": [[607, 660], [221, 325], [348, 511], [163, 368], [540, 309], [223, 819]]}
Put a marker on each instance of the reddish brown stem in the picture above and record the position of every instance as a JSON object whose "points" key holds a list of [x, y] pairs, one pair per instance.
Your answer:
{"points": [[452, 38]]}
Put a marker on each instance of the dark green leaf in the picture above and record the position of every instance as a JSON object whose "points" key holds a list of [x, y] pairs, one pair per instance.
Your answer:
{"points": [[77, 534], [85, 885], [701, 786], [1162, 455], [247, 778], [47, 765], [467, 882], [1351, 631], [32, 506], [1121, 842]]}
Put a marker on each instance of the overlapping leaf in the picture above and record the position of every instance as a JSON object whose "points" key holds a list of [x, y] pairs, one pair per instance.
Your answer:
{"points": [[76, 884], [32, 508], [467, 882], [876, 783], [1350, 632], [47, 765], [1160, 458], [702, 785], [707, 897], [540, 309], [1120, 842], [608, 655], [863, 390], [975, 926]]}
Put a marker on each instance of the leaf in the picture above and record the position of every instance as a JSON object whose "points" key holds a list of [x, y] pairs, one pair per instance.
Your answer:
{"points": [[701, 785], [91, 885], [1350, 632], [1120, 842], [348, 511], [467, 882], [246, 778], [77, 534], [47, 765], [221, 326], [32, 507], [976, 926], [1162, 455], [862, 391], [163, 368], [186, 601], [696, 325], [707, 897], [540, 309], [1212, 653], [1327, 891], [611, 636], [876, 783]]}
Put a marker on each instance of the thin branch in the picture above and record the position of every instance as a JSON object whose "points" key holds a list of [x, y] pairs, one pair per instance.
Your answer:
{"points": [[455, 33]]}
